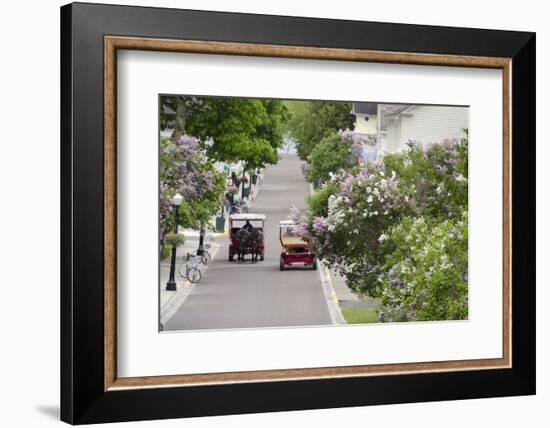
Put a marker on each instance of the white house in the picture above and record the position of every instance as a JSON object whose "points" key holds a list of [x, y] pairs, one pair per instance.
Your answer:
{"points": [[394, 125]]}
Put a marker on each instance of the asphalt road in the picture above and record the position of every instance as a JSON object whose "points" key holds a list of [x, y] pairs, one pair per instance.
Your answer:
{"points": [[246, 295]]}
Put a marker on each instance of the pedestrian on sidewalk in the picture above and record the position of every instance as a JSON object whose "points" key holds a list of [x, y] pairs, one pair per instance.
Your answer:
{"points": [[229, 201]]}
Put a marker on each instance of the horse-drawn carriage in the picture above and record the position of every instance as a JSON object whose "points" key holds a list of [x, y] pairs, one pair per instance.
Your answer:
{"points": [[295, 249], [247, 236]]}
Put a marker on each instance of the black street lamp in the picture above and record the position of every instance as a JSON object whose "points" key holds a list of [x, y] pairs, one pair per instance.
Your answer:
{"points": [[176, 202]]}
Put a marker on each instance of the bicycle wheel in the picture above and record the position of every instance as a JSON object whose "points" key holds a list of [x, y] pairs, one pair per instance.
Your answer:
{"points": [[194, 275], [182, 270], [206, 258]]}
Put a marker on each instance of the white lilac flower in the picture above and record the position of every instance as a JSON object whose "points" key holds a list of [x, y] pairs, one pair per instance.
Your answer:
{"points": [[382, 237]]}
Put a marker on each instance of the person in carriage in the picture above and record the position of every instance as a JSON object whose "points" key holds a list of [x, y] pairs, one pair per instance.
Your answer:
{"points": [[248, 226]]}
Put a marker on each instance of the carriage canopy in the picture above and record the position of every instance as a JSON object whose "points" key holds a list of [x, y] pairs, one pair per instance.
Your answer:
{"points": [[238, 220], [247, 216]]}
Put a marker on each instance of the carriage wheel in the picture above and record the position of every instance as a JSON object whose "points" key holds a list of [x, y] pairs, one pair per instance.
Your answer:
{"points": [[282, 263]]}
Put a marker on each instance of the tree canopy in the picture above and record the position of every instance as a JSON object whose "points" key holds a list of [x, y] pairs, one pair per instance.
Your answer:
{"points": [[185, 169], [311, 121], [231, 129], [332, 154]]}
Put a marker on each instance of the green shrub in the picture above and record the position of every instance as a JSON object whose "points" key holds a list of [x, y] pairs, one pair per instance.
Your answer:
{"points": [[425, 276]]}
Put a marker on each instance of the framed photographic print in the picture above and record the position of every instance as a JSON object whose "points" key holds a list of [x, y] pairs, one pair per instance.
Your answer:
{"points": [[266, 213]]}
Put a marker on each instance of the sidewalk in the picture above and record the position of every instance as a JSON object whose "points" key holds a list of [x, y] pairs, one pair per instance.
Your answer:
{"points": [[170, 301], [346, 297]]}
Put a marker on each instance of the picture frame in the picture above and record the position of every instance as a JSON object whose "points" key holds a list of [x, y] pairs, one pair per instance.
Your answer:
{"points": [[91, 391]]}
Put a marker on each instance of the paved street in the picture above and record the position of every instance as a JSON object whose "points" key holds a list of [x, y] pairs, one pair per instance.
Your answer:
{"points": [[246, 295]]}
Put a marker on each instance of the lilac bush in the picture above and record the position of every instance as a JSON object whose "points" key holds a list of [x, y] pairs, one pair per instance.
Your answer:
{"points": [[185, 169], [351, 219], [425, 276]]}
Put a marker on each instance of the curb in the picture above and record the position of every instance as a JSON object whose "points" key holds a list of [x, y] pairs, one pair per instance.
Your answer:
{"points": [[328, 288], [330, 294]]}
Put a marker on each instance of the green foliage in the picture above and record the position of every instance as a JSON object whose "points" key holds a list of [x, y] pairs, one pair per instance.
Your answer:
{"points": [[165, 251], [239, 129], [426, 271], [174, 239], [208, 129], [197, 213], [329, 156], [271, 128], [311, 121], [433, 177], [318, 202], [185, 169]]}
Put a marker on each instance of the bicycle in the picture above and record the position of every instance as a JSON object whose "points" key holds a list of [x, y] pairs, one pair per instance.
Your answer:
{"points": [[205, 255], [190, 269]]}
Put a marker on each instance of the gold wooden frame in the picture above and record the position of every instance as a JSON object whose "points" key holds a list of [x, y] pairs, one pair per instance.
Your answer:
{"points": [[113, 43]]}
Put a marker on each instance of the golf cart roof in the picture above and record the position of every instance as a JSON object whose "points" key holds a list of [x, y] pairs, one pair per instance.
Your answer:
{"points": [[286, 223], [248, 216]]}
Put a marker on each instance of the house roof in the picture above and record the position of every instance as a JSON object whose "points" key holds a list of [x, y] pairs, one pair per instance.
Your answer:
{"points": [[388, 111], [365, 108], [393, 109]]}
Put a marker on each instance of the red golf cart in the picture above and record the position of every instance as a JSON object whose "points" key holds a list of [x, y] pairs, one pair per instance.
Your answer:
{"points": [[294, 249]]}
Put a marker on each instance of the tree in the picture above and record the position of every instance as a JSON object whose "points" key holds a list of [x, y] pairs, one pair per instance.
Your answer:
{"points": [[229, 128], [329, 156], [185, 169], [311, 121], [273, 125], [174, 111]]}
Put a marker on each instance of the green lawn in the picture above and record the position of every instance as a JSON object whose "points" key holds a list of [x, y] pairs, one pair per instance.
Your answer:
{"points": [[360, 315]]}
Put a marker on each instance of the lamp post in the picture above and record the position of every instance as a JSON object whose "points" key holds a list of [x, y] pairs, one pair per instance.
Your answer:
{"points": [[176, 202]]}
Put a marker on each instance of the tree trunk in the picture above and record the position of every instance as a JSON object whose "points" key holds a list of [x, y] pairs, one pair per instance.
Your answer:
{"points": [[242, 189], [181, 118]]}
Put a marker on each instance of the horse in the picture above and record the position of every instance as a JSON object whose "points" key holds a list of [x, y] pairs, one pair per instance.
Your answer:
{"points": [[242, 241], [256, 241]]}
